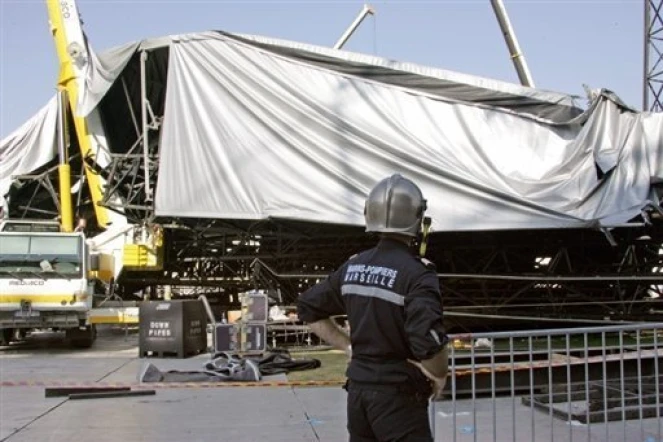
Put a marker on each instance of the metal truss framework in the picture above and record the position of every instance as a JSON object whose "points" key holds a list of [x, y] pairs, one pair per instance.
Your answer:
{"points": [[35, 195], [126, 183], [653, 56], [587, 282], [41, 198], [544, 274], [132, 174]]}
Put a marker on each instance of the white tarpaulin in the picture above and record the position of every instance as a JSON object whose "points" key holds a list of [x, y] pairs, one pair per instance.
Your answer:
{"points": [[100, 72], [255, 128], [29, 147], [253, 133]]}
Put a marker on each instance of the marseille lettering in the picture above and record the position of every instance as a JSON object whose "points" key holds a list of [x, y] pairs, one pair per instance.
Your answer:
{"points": [[371, 275]]}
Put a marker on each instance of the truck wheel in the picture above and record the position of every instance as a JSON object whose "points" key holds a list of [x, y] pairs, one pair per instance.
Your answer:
{"points": [[82, 338], [7, 335]]}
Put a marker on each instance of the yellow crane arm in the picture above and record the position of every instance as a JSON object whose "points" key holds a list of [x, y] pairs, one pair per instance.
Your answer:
{"points": [[72, 52]]}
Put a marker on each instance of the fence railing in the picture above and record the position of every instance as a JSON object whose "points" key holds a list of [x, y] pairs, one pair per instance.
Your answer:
{"points": [[577, 384]]}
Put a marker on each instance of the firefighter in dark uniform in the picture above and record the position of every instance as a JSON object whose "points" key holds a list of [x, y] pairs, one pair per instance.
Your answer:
{"points": [[397, 342]]}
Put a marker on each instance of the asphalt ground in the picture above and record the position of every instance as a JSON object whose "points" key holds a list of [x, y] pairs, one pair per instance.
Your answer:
{"points": [[273, 409]]}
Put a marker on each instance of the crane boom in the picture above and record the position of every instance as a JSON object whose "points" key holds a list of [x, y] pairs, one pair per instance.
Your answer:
{"points": [[366, 10], [74, 57], [512, 43]]}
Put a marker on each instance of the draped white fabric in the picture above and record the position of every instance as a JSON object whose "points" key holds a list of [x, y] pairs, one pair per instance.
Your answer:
{"points": [[251, 134]]}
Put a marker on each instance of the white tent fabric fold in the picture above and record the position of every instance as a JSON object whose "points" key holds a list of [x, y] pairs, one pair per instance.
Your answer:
{"points": [[453, 84], [101, 71], [29, 147]]}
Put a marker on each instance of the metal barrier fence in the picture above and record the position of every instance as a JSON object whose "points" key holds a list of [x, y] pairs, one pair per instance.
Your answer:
{"points": [[579, 384]]}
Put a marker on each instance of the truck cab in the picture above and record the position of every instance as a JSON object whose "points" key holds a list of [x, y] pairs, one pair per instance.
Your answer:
{"points": [[44, 282]]}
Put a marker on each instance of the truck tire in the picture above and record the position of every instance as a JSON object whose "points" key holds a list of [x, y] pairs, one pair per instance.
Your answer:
{"points": [[82, 338], [7, 336]]}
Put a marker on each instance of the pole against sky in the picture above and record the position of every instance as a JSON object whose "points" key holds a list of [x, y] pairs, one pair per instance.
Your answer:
{"points": [[567, 43]]}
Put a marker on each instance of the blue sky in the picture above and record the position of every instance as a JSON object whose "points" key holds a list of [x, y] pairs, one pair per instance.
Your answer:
{"points": [[566, 43]]}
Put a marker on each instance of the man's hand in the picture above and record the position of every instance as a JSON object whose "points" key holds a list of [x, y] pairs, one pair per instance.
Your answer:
{"points": [[438, 383], [331, 333]]}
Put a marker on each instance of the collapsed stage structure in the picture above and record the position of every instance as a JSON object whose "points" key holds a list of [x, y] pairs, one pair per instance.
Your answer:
{"points": [[250, 158]]}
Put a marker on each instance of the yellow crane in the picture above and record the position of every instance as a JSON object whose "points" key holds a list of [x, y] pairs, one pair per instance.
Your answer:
{"points": [[73, 55]]}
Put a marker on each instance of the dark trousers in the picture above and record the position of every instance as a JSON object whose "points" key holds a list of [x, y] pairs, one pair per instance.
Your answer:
{"points": [[386, 414]]}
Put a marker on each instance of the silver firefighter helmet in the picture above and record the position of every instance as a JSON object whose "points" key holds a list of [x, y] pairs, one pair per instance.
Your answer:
{"points": [[395, 205]]}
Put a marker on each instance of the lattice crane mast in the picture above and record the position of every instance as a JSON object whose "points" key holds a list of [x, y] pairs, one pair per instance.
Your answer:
{"points": [[652, 99]]}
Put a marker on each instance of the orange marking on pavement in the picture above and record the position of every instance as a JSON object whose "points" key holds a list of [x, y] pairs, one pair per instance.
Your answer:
{"points": [[168, 385]]}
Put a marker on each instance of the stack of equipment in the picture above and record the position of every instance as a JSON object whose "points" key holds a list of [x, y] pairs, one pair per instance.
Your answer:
{"points": [[249, 333]]}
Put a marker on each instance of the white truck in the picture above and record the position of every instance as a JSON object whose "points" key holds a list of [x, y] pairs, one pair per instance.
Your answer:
{"points": [[44, 282]]}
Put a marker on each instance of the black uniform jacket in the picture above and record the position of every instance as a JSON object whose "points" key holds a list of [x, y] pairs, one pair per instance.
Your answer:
{"points": [[394, 308]]}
